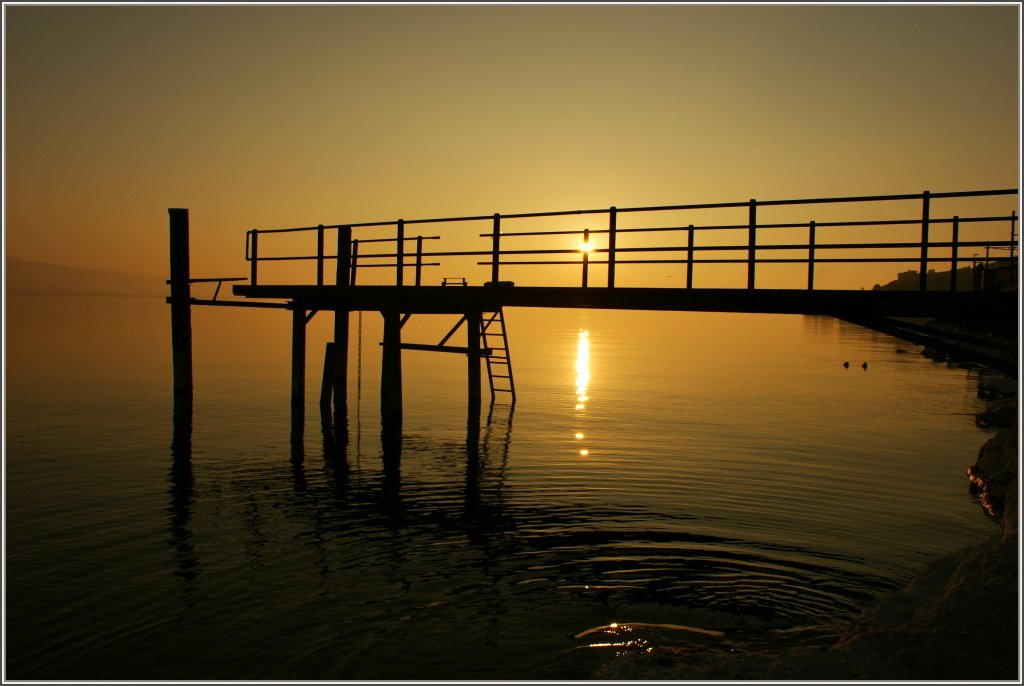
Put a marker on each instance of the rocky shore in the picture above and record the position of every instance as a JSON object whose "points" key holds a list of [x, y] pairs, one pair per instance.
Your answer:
{"points": [[957, 620]]}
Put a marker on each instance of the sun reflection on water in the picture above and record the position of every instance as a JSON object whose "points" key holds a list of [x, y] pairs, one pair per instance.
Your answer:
{"points": [[582, 368], [582, 378]]}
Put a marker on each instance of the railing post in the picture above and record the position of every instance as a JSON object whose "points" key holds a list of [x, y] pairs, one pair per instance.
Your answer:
{"points": [[495, 248], [255, 259], [355, 260], [320, 255], [751, 243], [1013, 230], [400, 253], [955, 249], [612, 212], [810, 257], [345, 254], [689, 257], [585, 249], [419, 258], [925, 220]]}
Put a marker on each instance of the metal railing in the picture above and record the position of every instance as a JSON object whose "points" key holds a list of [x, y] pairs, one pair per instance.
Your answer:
{"points": [[752, 252]]}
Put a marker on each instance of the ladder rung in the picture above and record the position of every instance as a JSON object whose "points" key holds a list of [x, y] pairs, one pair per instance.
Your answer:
{"points": [[500, 376], [502, 390]]}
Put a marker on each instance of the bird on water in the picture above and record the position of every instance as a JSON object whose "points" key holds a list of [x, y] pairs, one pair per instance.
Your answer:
{"points": [[865, 366], [846, 364]]}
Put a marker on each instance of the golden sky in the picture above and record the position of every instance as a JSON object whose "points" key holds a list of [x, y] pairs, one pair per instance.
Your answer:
{"points": [[268, 116]]}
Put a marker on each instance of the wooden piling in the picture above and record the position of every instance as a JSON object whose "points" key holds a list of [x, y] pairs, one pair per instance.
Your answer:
{"points": [[391, 375], [473, 328], [341, 319], [298, 356], [181, 305], [327, 381]]}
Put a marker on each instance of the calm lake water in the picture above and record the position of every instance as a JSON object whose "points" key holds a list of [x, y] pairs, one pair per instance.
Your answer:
{"points": [[697, 479]]}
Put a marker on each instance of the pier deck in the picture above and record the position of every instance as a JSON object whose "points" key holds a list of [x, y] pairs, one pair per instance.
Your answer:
{"points": [[458, 300]]}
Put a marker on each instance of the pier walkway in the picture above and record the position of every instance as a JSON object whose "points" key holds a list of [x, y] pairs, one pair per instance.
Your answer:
{"points": [[608, 259]]}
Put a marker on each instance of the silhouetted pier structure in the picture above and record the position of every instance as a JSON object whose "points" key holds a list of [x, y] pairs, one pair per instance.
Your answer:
{"points": [[694, 236]]}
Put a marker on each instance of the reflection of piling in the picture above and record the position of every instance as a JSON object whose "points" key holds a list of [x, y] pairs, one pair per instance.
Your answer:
{"points": [[298, 450], [181, 307], [391, 463], [182, 492]]}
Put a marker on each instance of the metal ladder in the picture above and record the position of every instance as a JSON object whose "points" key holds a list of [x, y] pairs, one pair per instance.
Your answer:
{"points": [[494, 338]]}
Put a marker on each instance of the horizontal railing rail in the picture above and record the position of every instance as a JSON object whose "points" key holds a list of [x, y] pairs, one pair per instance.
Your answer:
{"points": [[687, 241]]}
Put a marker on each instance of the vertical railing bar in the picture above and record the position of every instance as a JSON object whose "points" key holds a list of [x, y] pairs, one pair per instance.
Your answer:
{"points": [[751, 243], [810, 257], [1013, 230], [925, 219], [345, 272], [400, 253], [495, 249], [612, 212], [419, 258], [689, 257], [955, 249], [320, 255], [255, 258], [355, 258], [585, 249]]}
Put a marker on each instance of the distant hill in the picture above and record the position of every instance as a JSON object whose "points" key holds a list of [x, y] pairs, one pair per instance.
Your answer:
{"points": [[937, 281], [24, 277], [1002, 276]]}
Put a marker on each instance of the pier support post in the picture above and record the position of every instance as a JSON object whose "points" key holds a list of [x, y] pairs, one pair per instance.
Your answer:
{"points": [[473, 330], [181, 305], [326, 383], [341, 319], [391, 377], [298, 356]]}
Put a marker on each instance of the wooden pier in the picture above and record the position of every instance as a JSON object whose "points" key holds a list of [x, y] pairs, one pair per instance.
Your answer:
{"points": [[681, 242]]}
